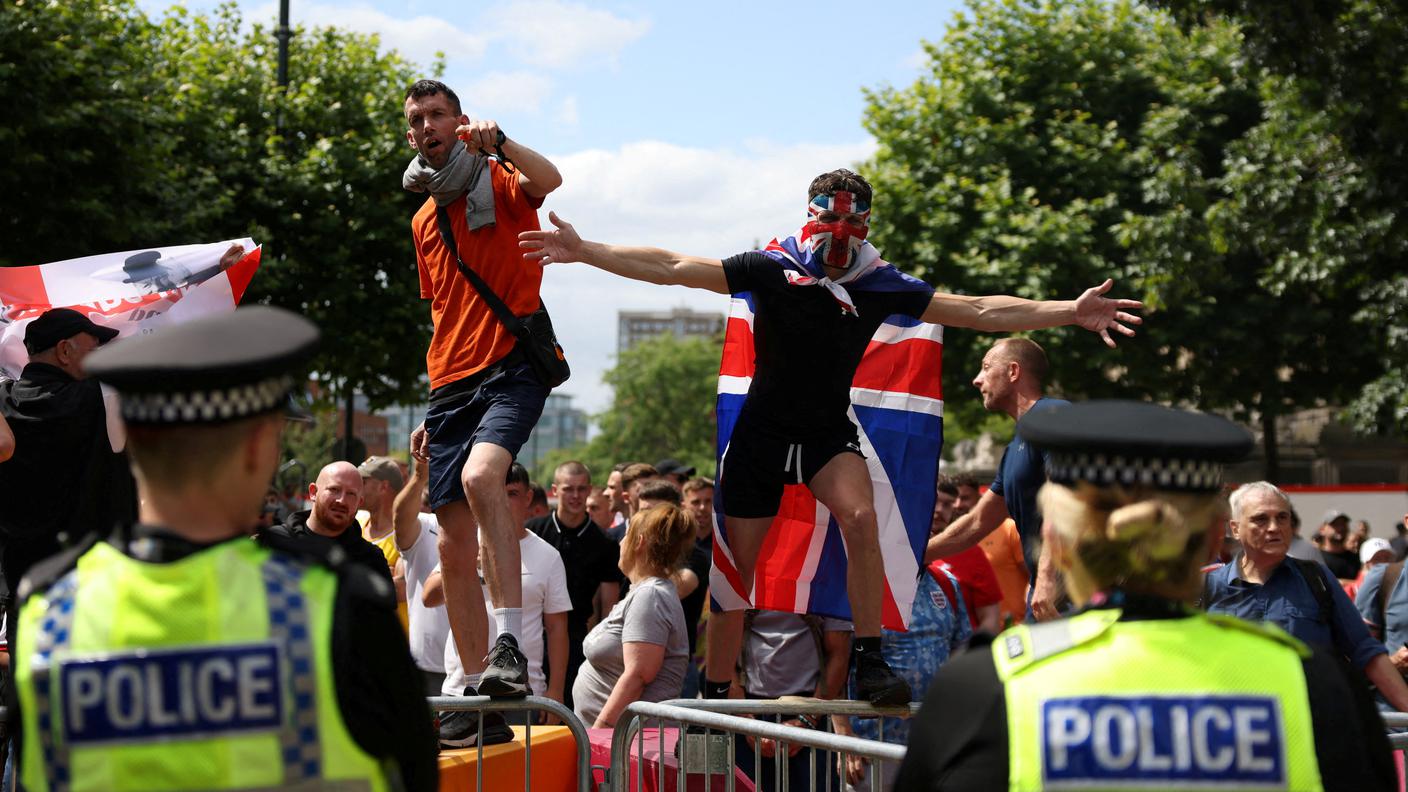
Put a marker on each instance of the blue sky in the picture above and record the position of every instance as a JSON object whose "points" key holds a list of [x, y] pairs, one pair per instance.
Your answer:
{"points": [[692, 126]]}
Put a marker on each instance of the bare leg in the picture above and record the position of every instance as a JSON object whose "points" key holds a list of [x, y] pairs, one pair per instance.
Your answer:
{"points": [[725, 632], [843, 486], [483, 478], [464, 597]]}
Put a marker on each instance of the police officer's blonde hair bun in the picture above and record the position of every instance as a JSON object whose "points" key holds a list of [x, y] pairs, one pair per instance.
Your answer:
{"points": [[1137, 538]]}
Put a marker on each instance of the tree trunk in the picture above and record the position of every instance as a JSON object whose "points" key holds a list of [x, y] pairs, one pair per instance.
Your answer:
{"points": [[1269, 448], [347, 426]]}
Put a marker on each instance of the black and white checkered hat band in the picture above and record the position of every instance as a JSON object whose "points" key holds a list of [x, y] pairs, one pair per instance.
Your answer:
{"points": [[1107, 470], [208, 406]]}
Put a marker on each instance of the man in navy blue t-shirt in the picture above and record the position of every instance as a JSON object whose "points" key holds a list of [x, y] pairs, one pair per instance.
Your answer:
{"points": [[1011, 380]]}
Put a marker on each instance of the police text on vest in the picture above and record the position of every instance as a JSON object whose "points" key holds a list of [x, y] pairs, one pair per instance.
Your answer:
{"points": [[1198, 740], [161, 694]]}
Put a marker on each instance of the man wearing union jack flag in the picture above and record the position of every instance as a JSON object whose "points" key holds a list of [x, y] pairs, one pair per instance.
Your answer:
{"points": [[819, 297]]}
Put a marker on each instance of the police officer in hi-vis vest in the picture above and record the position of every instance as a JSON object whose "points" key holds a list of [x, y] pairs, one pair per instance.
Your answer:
{"points": [[178, 654], [1138, 690]]}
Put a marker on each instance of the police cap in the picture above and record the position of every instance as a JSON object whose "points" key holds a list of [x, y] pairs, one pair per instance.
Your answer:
{"points": [[1129, 443], [210, 370]]}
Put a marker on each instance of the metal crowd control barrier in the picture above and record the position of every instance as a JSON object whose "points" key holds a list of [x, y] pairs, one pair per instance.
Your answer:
{"points": [[1396, 720], [700, 713], [529, 704]]}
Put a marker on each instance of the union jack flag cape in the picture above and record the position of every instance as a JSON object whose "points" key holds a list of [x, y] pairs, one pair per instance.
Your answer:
{"points": [[897, 405]]}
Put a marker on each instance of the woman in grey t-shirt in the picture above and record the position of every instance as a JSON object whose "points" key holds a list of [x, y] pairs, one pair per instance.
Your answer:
{"points": [[640, 650]]}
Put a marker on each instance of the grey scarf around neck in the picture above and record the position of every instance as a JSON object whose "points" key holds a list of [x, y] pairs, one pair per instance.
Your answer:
{"points": [[464, 174]]}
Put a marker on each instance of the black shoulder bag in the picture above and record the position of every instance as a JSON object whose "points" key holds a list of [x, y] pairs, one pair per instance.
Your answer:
{"points": [[536, 340]]}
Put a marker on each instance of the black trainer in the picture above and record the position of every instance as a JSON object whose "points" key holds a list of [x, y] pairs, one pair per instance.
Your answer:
{"points": [[460, 728], [506, 671], [877, 684]]}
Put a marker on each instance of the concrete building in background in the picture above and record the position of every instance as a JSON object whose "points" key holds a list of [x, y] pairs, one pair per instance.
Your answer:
{"points": [[561, 426], [636, 326]]}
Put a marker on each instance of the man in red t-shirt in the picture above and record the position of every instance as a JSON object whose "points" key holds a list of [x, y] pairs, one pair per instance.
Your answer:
{"points": [[981, 593], [484, 397]]}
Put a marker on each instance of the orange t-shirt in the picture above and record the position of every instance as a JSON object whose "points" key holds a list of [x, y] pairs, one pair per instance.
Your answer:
{"points": [[1003, 547], [468, 336]]}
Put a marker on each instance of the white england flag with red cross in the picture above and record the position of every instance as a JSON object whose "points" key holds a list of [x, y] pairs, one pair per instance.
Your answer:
{"points": [[133, 292], [897, 405]]}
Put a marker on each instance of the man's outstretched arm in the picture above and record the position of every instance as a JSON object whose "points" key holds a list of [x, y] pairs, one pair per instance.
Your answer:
{"points": [[967, 530], [1001, 313], [652, 265]]}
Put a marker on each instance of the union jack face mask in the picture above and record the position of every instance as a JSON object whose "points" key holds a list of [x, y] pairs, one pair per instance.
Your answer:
{"points": [[837, 242]]}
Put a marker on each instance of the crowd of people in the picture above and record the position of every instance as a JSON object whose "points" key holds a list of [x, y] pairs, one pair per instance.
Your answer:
{"points": [[188, 656]]}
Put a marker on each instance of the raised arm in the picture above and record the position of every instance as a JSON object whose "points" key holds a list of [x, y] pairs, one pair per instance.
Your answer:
{"points": [[652, 265], [536, 174], [967, 530], [1001, 313], [405, 520]]}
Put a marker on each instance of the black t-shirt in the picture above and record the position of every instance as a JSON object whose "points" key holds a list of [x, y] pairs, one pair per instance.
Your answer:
{"points": [[807, 349], [959, 738], [379, 691], [296, 531], [590, 559], [1345, 564], [698, 563]]}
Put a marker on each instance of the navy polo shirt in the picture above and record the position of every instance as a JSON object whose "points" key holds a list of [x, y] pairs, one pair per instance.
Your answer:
{"points": [[1287, 601], [1020, 475]]}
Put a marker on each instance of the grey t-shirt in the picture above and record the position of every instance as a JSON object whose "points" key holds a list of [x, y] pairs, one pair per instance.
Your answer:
{"points": [[650, 613], [780, 655]]}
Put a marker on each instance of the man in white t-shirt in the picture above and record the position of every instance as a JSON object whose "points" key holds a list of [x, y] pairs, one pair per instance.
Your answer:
{"points": [[417, 540], [545, 607]]}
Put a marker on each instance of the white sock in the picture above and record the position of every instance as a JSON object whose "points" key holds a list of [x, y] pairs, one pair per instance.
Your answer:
{"points": [[510, 620], [472, 680]]}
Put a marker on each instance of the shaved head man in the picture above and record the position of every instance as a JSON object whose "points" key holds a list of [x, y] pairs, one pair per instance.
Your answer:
{"points": [[336, 494], [1011, 380]]}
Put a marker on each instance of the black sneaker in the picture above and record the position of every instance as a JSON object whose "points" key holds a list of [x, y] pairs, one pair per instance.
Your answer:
{"points": [[877, 684], [460, 729], [506, 674]]}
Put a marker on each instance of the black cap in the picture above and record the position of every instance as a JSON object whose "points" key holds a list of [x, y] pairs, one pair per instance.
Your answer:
{"points": [[1129, 443], [209, 370], [59, 324], [673, 467]]}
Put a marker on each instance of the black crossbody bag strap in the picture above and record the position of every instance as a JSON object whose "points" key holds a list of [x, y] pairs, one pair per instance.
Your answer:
{"points": [[497, 305]]}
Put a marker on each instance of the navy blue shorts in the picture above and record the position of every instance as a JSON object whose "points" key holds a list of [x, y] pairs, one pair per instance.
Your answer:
{"points": [[499, 405]]}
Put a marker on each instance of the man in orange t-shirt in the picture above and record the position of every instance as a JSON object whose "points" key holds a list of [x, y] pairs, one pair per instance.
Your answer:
{"points": [[484, 397], [1003, 547]]}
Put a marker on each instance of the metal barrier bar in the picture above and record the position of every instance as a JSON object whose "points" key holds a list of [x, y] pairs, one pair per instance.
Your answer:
{"points": [[629, 729], [528, 704], [807, 706], [802, 706], [1395, 719]]}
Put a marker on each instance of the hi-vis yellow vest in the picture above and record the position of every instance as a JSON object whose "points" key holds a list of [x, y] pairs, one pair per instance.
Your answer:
{"points": [[210, 672], [1203, 702]]}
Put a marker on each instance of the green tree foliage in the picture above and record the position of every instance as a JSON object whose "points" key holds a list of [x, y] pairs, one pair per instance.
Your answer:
{"points": [[665, 391], [1053, 145], [130, 133], [1343, 66], [308, 446]]}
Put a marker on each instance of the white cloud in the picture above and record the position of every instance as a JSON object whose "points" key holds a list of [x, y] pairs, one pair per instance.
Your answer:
{"points": [[709, 202], [498, 93], [417, 38], [556, 34], [567, 114]]}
